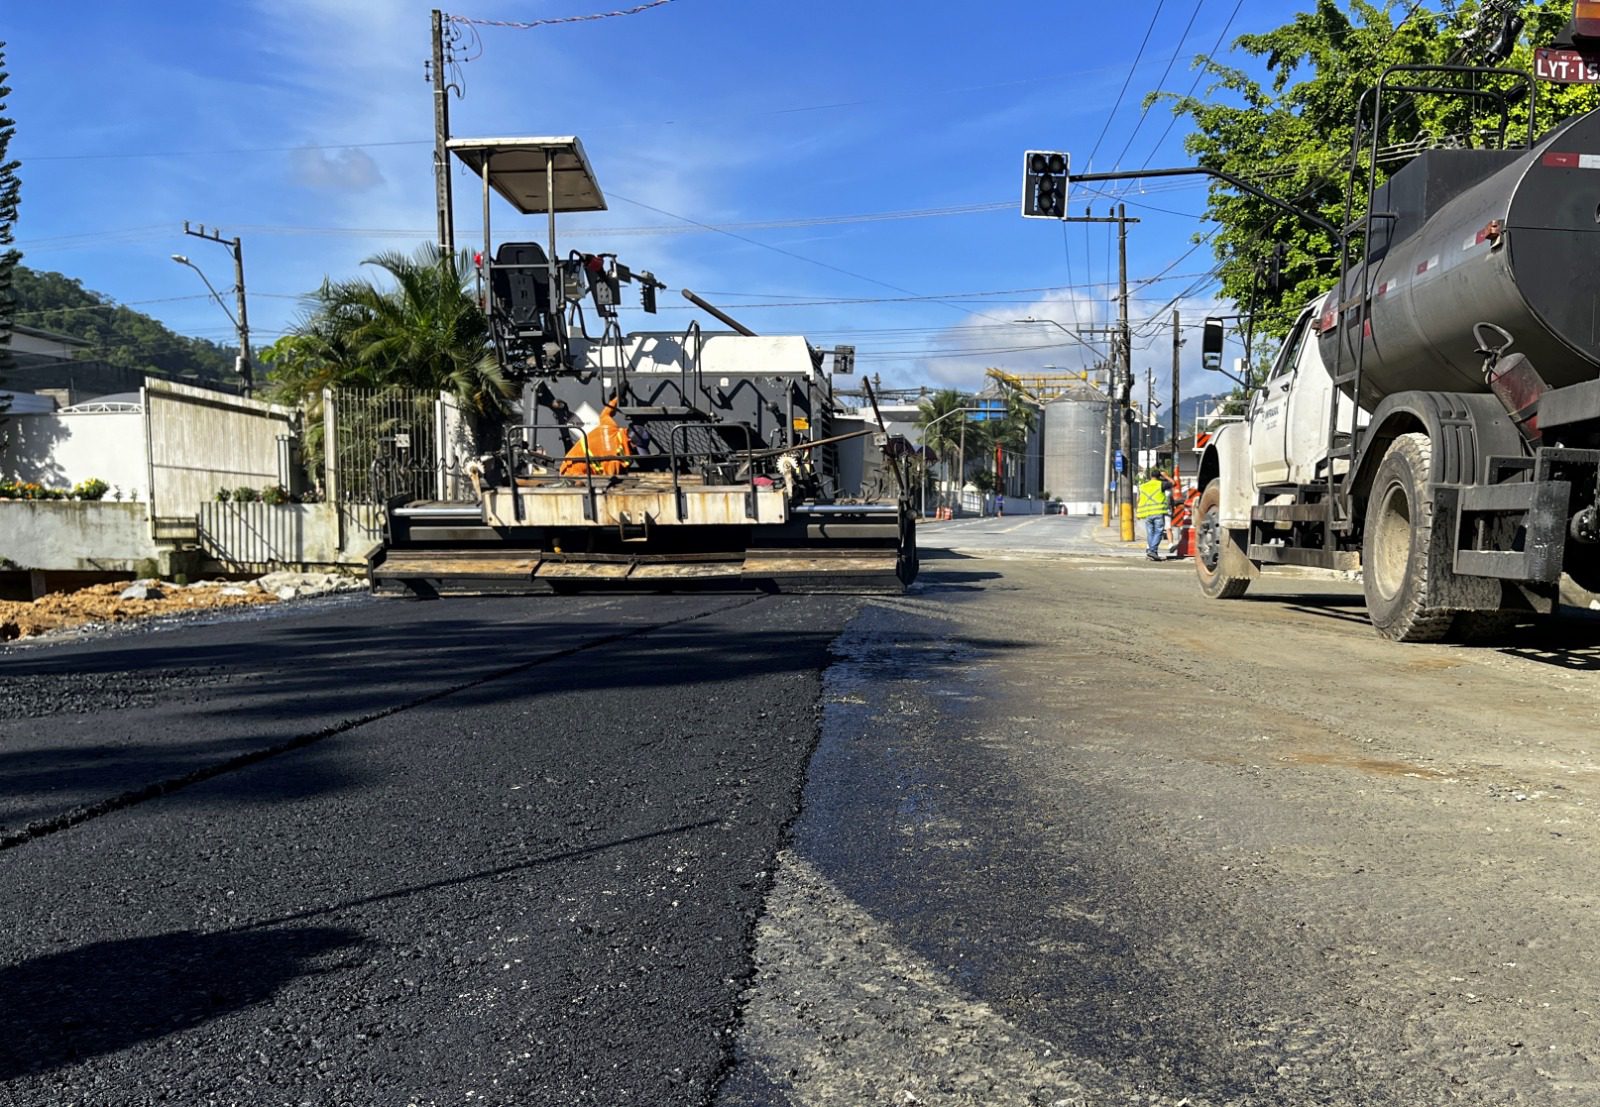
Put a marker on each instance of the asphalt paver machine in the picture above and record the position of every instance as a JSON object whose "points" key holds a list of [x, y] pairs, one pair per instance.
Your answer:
{"points": [[650, 459]]}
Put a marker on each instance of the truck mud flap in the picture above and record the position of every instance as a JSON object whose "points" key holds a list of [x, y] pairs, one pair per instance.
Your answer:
{"points": [[1513, 532]]}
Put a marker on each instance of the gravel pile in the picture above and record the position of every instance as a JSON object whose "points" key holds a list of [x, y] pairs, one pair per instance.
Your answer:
{"points": [[142, 599]]}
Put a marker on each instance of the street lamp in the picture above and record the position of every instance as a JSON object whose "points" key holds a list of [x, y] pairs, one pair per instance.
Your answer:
{"points": [[924, 445], [215, 295], [1068, 331], [240, 321]]}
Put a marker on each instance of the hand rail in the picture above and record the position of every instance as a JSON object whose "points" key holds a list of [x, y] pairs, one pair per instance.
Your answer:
{"points": [[749, 459]]}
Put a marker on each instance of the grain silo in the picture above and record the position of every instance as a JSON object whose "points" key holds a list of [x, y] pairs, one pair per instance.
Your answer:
{"points": [[1075, 448]]}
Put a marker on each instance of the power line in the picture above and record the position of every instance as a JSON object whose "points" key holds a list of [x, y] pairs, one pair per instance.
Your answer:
{"points": [[790, 253], [1196, 83], [214, 153], [530, 24], [1132, 69], [1144, 108], [784, 299]]}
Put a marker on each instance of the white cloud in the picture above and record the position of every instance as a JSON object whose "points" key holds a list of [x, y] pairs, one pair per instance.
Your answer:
{"points": [[993, 339], [347, 170]]}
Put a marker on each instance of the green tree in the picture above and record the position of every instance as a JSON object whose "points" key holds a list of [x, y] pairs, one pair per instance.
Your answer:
{"points": [[1292, 135], [117, 335], [941, 426], [424, 330], [1020, 416], [10, 196]]}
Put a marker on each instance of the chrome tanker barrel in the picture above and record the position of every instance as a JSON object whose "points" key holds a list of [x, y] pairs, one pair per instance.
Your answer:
{"points": [[1504, 237]]}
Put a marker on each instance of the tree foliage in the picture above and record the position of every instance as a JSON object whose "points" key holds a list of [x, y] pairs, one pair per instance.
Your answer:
{"points": [[1292, 134], [10, 196], [421, 329], [118, 335]]}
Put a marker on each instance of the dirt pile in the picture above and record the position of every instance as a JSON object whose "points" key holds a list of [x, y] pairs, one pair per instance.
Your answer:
{"points": [[121, 603]]}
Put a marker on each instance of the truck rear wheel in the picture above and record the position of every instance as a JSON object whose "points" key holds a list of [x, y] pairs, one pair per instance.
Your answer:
{"points": [[1219, 559], [1396, 545]]}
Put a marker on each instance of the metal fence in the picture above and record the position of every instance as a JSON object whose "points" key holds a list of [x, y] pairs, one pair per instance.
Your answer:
{"points": [[393, 443], [257, 537]]}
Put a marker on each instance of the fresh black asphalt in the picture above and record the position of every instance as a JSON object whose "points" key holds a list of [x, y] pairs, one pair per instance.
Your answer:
{"points": [[482, 851]]}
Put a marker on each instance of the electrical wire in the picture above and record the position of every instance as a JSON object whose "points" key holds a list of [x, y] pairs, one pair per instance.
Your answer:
{"points": [[556, 20], [1144, 108], [791, 254], [1196, 84], [1132, 69]]}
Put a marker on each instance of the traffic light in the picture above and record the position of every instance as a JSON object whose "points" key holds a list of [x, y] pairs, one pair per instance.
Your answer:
{"points": [[1276, 282], [1044, 184]]}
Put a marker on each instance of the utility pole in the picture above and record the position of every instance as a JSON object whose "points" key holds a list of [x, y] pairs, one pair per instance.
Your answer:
{"points": [[441, 135], [1177, 341], [961, 469], [1149, 425], [1111, 442], [241, 322], [1126, 486], [1112, 372]]}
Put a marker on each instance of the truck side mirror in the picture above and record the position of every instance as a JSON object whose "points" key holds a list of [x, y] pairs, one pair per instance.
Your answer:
{"points": [[1211, 345]]}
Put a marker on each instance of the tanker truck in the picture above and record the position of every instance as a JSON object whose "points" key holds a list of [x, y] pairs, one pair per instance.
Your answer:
{"points": [[1434, 419]]}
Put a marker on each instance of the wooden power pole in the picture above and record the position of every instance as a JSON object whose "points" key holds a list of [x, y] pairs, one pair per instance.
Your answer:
{"points": [[1177, 341], [441, 135]]}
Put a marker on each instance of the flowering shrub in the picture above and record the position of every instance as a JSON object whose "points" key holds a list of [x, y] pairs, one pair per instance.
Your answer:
{"points": [[275, 494], [28, 490], [92, 489]]}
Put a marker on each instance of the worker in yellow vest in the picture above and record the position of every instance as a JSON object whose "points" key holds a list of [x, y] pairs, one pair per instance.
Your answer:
{"points": [[1154, 506]]}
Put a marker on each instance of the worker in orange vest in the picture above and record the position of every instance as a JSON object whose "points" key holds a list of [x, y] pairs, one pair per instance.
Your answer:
{"points": [[607, 442]]}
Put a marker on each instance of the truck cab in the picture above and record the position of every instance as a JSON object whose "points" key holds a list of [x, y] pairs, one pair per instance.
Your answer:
{"points": [[1287, 424]]}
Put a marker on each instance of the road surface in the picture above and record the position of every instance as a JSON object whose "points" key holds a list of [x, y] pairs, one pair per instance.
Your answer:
{"points": [[1049, 829]]}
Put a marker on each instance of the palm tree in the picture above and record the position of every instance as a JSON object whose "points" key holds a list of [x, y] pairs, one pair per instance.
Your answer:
{"points": [[1011, 430], [425, 331], [941, 428]]}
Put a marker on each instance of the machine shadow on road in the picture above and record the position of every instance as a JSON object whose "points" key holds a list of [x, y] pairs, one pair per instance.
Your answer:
{"points": [[303, 685], [65, 1008], [1569, 641], [942, 577], [1340, 607]]}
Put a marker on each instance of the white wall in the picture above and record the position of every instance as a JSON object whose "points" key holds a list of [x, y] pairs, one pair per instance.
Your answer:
{"points": [[77, 536], [59, 449], [201, 441]]}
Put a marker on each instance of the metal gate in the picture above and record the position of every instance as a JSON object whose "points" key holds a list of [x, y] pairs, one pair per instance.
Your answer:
{"points": [[385, 447]]}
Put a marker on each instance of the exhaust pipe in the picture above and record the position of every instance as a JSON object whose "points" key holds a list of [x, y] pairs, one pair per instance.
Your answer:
{"points": [[718, 313]]}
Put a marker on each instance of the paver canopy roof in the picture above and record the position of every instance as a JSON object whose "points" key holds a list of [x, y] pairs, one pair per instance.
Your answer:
{"points": [[517, 171]]}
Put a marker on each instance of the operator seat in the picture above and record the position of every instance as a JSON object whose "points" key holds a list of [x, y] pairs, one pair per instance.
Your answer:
{"points": [[519, 288]]}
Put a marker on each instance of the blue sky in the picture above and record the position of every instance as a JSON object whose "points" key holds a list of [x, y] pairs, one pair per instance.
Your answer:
{"points": [[808, 131]]}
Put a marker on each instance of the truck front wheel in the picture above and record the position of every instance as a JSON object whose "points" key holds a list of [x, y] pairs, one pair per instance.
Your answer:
{"points": [[1396, 544], [1219, 558]]}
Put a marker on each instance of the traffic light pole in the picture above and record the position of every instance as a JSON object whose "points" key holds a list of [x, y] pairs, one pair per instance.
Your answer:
{"points": [[1177, 342], [1129, 452]]}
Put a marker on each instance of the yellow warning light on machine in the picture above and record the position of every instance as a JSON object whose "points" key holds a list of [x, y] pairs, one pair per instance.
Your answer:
{"points": [[801, 424]]}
